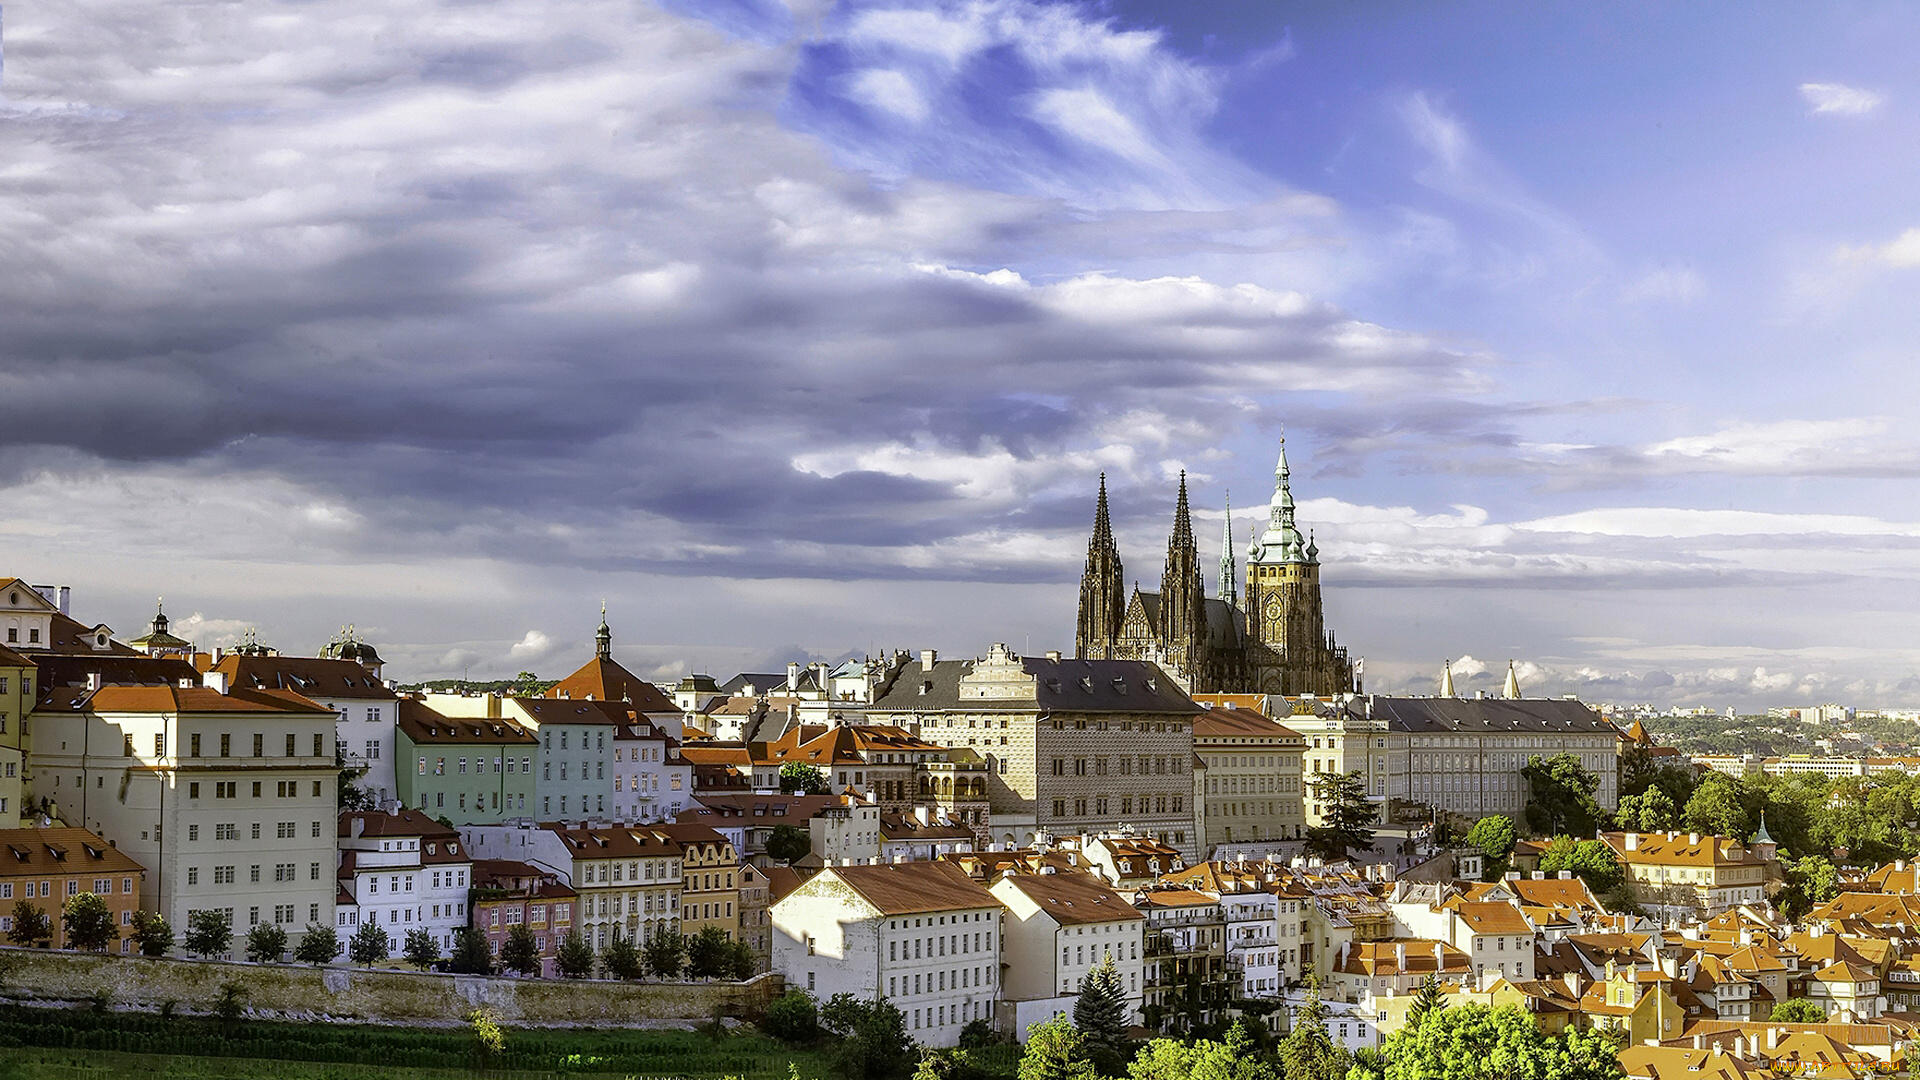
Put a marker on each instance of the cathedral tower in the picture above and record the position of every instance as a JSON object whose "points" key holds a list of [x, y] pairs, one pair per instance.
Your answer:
{"points": [[1183, 611], [1288, 648], [1103, 596]]}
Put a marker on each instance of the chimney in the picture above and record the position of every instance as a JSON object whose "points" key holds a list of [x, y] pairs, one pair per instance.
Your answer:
{"points": [[1693, 838], [1740, 1046], [1699, 1042], [793, 676], [1633, 841], [1565, 875], [94, 681], [215, 681], [1053, 655], [1439, 959], [1539, 875], [927, 658], [66, 594], [1400, 956], [1773, 1038]]}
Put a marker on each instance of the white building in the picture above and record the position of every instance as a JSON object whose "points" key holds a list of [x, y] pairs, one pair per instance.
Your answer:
{"points": [[651, 781], [405, 869], [923, 935], [1495, 934], [1059, 928], [364, 708], [227, 798]]}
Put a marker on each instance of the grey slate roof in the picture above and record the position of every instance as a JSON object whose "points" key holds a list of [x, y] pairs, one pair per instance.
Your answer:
{"points": [[1061, 686], [1476, 715]]}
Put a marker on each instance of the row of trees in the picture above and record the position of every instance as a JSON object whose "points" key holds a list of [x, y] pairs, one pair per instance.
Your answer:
{"points": [[668, 954]]}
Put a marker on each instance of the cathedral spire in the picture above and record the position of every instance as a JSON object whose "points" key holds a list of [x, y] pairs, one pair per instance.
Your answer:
{"points": [[1229, 586], [1513, 683], [1103, 596], [1446, 679], [1183, 598]]}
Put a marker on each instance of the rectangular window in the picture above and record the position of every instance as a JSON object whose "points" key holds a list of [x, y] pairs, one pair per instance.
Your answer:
{"points": [[159, 744], [226, 745], [193, 744], [256, 789], [193, 875], [259, 745], [291, 752], [423, 766], [320, 742], [193, 790]]}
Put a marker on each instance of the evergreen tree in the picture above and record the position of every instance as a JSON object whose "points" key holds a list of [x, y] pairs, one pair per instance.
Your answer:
{"points": [[666, 953], [1346, 812], [265, 943], [1429, 999], [1056, 1050], [88, 923], [741, 962], [1560, 796], [707, 953], [151, 934], [1100, 1015], [31, 926], [520, 953], [622, 959], [369, 944], [420, 949], [319, 945], [208, 933], [575, 955], [471, 953], [1308, 1052]]}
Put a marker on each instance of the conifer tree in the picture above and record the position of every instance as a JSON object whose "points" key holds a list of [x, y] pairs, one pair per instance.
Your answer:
{"points": [[1100, 1014], [1429, 999], [1308, 1052]]}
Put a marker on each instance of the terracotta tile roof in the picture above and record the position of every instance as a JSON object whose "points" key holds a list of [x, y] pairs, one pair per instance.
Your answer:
{"points": [[619, 842], [1376, 958], [1686, 1063], [605, 680], [1491, 917], [408, 823], [1173, 898], [546, 710], [199, 699], [9, 658], [782, 880], [1218, 723], [911, 888], [1681, 849], [312, 676], [901, 828], [424, 725], [1075, 899], [61, 851]]}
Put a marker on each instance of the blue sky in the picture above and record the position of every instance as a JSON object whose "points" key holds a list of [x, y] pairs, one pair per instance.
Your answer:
{"points": [[806, 330]]}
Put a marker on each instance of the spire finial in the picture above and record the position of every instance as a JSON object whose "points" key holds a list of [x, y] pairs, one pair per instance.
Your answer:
{"points": [[1513, 682], [603, 638], [1446, 679], [1229, 573]]}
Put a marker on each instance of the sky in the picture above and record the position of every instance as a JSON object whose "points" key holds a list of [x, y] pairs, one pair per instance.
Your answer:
{"points": [[794, 332]]}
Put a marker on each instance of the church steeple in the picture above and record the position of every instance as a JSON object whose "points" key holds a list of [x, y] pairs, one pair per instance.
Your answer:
{"points": [[603, 638], [1103, 596], [1183, 598], [1229, 573]]}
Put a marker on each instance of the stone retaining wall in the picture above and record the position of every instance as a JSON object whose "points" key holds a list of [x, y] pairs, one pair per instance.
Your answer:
{"points": [[362, 994]]}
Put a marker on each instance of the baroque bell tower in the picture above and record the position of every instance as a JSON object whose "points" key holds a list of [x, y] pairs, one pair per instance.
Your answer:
{"points": [[1288, 648]]}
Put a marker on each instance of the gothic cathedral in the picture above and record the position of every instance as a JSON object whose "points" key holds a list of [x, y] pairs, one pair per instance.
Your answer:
{"points": [[1276, 642]]}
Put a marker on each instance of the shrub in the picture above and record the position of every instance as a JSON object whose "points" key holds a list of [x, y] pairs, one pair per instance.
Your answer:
{"points": [[793, 1018], [152, 934]]}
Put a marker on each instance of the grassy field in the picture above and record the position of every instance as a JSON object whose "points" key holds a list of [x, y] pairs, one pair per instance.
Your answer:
{"points": [[38, 1044]]}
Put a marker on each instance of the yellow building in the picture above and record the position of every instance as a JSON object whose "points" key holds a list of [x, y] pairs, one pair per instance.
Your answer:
{"points": [[1251, 787], [16, 700], [1693, 874], [1637, 1003], [710, 879]]}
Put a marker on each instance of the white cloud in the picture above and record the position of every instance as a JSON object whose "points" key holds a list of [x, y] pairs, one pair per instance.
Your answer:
{"points": [[534, 646], [1677, 285], [890, 91], [1836, 98], [1901, 252]]}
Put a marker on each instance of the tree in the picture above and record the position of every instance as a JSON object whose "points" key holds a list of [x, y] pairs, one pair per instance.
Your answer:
{"points": [[1346, 812], [319, 945], [1811, 881], [622, 959], [1641, 772], [741, 962], [1308, 1052], [520, 953], [871, 1038], [265, 943], [420, 949], [1590, 860], [1427, 1000], [471, 953], [575, 955], [1798, 1011], [1100, 1015], [1236, 1057], [1723, 806], [88, 923], [208, 933], [707, 953], [1560, 796], [792, 1017], [152, 934], [1493, 836], [31, 926], [665, 952], [789, 843], [1475, 1042], [489, 1040], [798, 777], [1056, 1050], [370, 943], [1650, 811]]}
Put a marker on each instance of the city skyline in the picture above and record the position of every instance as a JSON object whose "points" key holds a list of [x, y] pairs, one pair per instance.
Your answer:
{"points": [[801, 331]]}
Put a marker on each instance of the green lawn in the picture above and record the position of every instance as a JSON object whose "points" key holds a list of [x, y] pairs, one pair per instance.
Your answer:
{"points": [[46, 1044]]}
